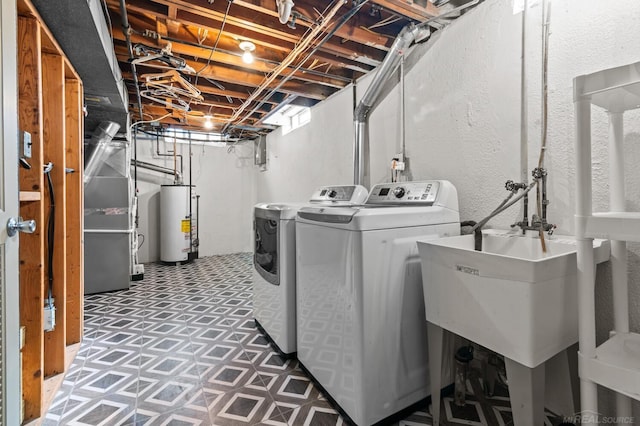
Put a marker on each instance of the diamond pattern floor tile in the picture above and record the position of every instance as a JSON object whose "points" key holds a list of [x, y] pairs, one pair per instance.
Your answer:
{"points": [[181, 348]]}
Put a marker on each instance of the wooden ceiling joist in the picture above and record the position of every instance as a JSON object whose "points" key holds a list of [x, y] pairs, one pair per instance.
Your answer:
{"points": [[226, 83]]}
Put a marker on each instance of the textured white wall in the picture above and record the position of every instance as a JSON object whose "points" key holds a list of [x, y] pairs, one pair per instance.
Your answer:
{"points": [[319, 153], [462, 111], [226, 184], [463, 122]]}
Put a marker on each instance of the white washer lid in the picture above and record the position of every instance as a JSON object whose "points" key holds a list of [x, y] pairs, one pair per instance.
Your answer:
{"points": [[281, 211]]}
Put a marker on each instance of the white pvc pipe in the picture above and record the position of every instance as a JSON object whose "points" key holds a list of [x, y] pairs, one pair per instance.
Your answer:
{"points": [[617, 204], [619, 272], [589, 401], [524, 100], [586, 298], [583, 164], [616, 162], [585, 263], [585, 259]]}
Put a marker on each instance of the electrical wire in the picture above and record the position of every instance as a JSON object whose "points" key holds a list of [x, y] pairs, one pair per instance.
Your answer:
{"points": [[546, 11], [305, 43], [149, 121], [51, 226], [327, 36], [143, 240], [215, 45]]}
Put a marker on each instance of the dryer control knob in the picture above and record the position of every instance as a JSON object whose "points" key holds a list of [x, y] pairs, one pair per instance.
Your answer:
{"points": [[399, 192], [332, 193]]}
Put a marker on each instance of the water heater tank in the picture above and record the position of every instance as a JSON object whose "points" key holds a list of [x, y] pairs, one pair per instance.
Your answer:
{"points": [[175, 223]]}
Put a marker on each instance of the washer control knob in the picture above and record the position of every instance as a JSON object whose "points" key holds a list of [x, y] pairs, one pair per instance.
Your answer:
{"points": [[399, 192], [332, 193]]}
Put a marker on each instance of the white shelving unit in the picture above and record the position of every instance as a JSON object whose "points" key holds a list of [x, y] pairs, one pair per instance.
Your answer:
{"points": [[614, 364]]}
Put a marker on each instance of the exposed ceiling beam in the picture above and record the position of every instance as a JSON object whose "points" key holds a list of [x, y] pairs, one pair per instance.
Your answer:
{"points": [[234, 59], [260, 35], [418, 10], [226, 74]]}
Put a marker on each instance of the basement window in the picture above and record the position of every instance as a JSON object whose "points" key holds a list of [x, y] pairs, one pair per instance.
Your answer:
{"points": [[290, 117]]}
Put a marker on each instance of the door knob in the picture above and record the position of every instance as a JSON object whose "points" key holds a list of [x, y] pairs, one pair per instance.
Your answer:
{"points": [[18, 225]]}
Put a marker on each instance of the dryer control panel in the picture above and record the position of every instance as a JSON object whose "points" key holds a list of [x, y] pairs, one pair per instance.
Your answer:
{"points": [[340, 194], [405, 193]]}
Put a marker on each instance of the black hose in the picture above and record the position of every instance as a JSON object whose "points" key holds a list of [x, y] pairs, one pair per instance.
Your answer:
{"points": [[477, 234], [51, 227]]}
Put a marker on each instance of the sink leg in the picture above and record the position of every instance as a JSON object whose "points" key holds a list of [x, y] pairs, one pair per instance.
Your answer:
{"points": [[434, 336], [526, 391], [559, 395]]}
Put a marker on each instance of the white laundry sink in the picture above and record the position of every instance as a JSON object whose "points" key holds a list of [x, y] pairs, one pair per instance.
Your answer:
{"points": [[511, 297]]}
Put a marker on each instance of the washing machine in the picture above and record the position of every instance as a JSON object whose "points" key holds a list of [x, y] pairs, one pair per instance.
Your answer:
{"points": [[274, 276], [360, 307]]}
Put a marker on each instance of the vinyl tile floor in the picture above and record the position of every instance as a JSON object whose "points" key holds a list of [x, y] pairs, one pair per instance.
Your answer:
{"points": [[181, 348]]}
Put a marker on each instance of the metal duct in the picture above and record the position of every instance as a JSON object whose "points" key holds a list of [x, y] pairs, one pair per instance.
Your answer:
{"points": [[154, 167], [284, 10], [407, 36], [97, 148]]}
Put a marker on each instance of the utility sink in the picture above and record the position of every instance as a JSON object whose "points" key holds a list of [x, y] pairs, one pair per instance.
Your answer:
{"points": [[511, 297]]}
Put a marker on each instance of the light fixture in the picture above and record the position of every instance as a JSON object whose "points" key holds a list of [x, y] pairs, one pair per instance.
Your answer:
{"points": [[208, 123], [248, 47]]}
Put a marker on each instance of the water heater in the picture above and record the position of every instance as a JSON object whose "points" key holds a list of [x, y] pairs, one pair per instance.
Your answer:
{"points": [[175, 223]]}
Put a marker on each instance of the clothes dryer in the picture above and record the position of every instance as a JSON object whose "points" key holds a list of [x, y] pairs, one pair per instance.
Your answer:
{"points": [[360, 306], [274, 276]]}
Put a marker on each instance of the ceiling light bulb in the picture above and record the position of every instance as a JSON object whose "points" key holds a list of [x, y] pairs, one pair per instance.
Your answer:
{"points": [[248, 47], [247, 57], [208, 124]]}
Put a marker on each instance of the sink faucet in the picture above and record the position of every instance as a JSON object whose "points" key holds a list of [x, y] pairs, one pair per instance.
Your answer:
{"points": [[537, 223]]}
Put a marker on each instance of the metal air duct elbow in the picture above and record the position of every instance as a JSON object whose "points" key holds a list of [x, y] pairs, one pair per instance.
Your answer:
{"points": [[284, 10], [407, 36], [98, 147]]}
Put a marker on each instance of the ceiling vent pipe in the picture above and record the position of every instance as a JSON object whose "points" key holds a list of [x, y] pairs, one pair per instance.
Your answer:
{"points": [[361, 116], [284, 10], [409, 34]]}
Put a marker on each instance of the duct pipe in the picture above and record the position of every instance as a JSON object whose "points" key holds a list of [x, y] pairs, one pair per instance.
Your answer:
{"points": [[154, 167], [97, 148], [407, 36], [284, 10]]}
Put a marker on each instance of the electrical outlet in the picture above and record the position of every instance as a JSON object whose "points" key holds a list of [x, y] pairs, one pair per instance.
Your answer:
{"points": [[49, 318], [26, 144], [137, 272]]}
